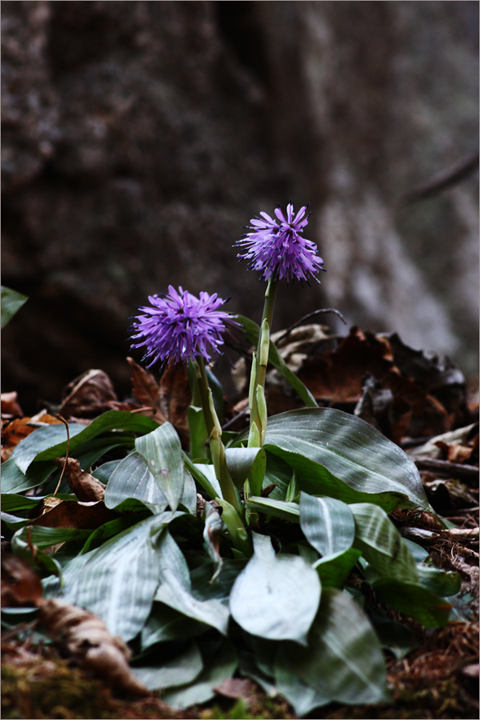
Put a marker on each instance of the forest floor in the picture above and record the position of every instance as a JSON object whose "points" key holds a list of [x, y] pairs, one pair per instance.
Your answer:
{"points": [[423, 405]]}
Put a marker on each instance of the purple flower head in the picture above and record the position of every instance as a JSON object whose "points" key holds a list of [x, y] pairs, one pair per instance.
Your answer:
{"points": [[178, 326], [277, 247]]}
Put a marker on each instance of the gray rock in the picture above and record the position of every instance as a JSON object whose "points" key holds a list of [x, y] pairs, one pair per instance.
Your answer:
{"points": [[138, 138]]}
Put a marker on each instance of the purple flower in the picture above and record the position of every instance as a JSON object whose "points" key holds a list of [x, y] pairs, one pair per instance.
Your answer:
{"points": [[178, 326], [277, 247]]}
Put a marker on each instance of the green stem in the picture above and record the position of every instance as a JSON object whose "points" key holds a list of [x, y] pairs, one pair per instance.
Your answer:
{"points": [[214, 430], [257, 389]]}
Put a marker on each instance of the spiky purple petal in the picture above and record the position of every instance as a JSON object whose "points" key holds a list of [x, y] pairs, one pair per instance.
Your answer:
{"points": [[276, 247], [178, 326]]}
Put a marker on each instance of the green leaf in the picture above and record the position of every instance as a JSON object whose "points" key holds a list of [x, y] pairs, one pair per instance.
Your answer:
{"points": [[381, 544], [335, 569], [414, 600], [276, 597], [438, 581], [327, 524], [11, 503], [219, 665], [252, 331], [205, 476], [12, 301], [175, 588], [132, 479], [242, 462], [44, 537], [289, 511], [162, 451], [340, 455], [393, 635], [204, 589], [301, 696], [165, 624], [179, 670], [50, 442], [119, 579], [343, 660]]}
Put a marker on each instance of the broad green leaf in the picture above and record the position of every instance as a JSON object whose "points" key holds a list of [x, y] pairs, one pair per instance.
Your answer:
{"points": [[112, 528], [13, 522], [439, 582], [165, 673], [162, 451], [165, 624], [219, 665], [132, 479], [188, 501], [42, 440], [11, 503], [204, 589], [381, 544], [343, 660], [104, 472], [118, 580], [243, 461], [12, 301], [239, 536], [335, 569], [414, 600], [205, 476], [276, 596], [393, 635], [252, 331], [44, 537], [301, 696], [340, 455], [175, 588], [50, 442], [327, 524], [289, 511]]}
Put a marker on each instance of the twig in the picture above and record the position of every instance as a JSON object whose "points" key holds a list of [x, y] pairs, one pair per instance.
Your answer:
{"points": [[307, 317], [66, 455], [443, 466], [442, 181]]}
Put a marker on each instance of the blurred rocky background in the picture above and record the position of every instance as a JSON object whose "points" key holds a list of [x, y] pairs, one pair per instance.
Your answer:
{"points": [[139, 137]]}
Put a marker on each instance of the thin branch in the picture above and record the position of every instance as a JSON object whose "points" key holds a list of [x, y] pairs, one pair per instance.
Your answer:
{"points": [[444, 180], [307, 317]]}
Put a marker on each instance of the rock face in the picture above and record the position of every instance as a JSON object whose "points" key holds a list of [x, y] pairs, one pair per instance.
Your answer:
{"points": [[138, 138]]}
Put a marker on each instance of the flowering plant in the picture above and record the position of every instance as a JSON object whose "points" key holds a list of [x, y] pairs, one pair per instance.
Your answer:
{"points": [[249, 552]]}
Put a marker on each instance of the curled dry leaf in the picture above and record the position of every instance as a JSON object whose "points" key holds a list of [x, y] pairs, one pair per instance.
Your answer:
{"points": [[75, 515], [88, 395], [15, 430], [85, 486], [81, 633], [146, 390], [21, 585], [85, 636], [10, 406]]}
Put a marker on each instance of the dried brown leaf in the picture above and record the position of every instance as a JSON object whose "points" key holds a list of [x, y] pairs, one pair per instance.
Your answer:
{"points": [[88, 395], [146, 390], [85, 486], [175, 396], [10, 406], [85, 636], [20, 583], [75, 515], [237, 688]]}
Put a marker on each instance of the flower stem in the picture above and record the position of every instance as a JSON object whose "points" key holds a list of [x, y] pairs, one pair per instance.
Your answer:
{"points": [[258, 414], [214, 430]]}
